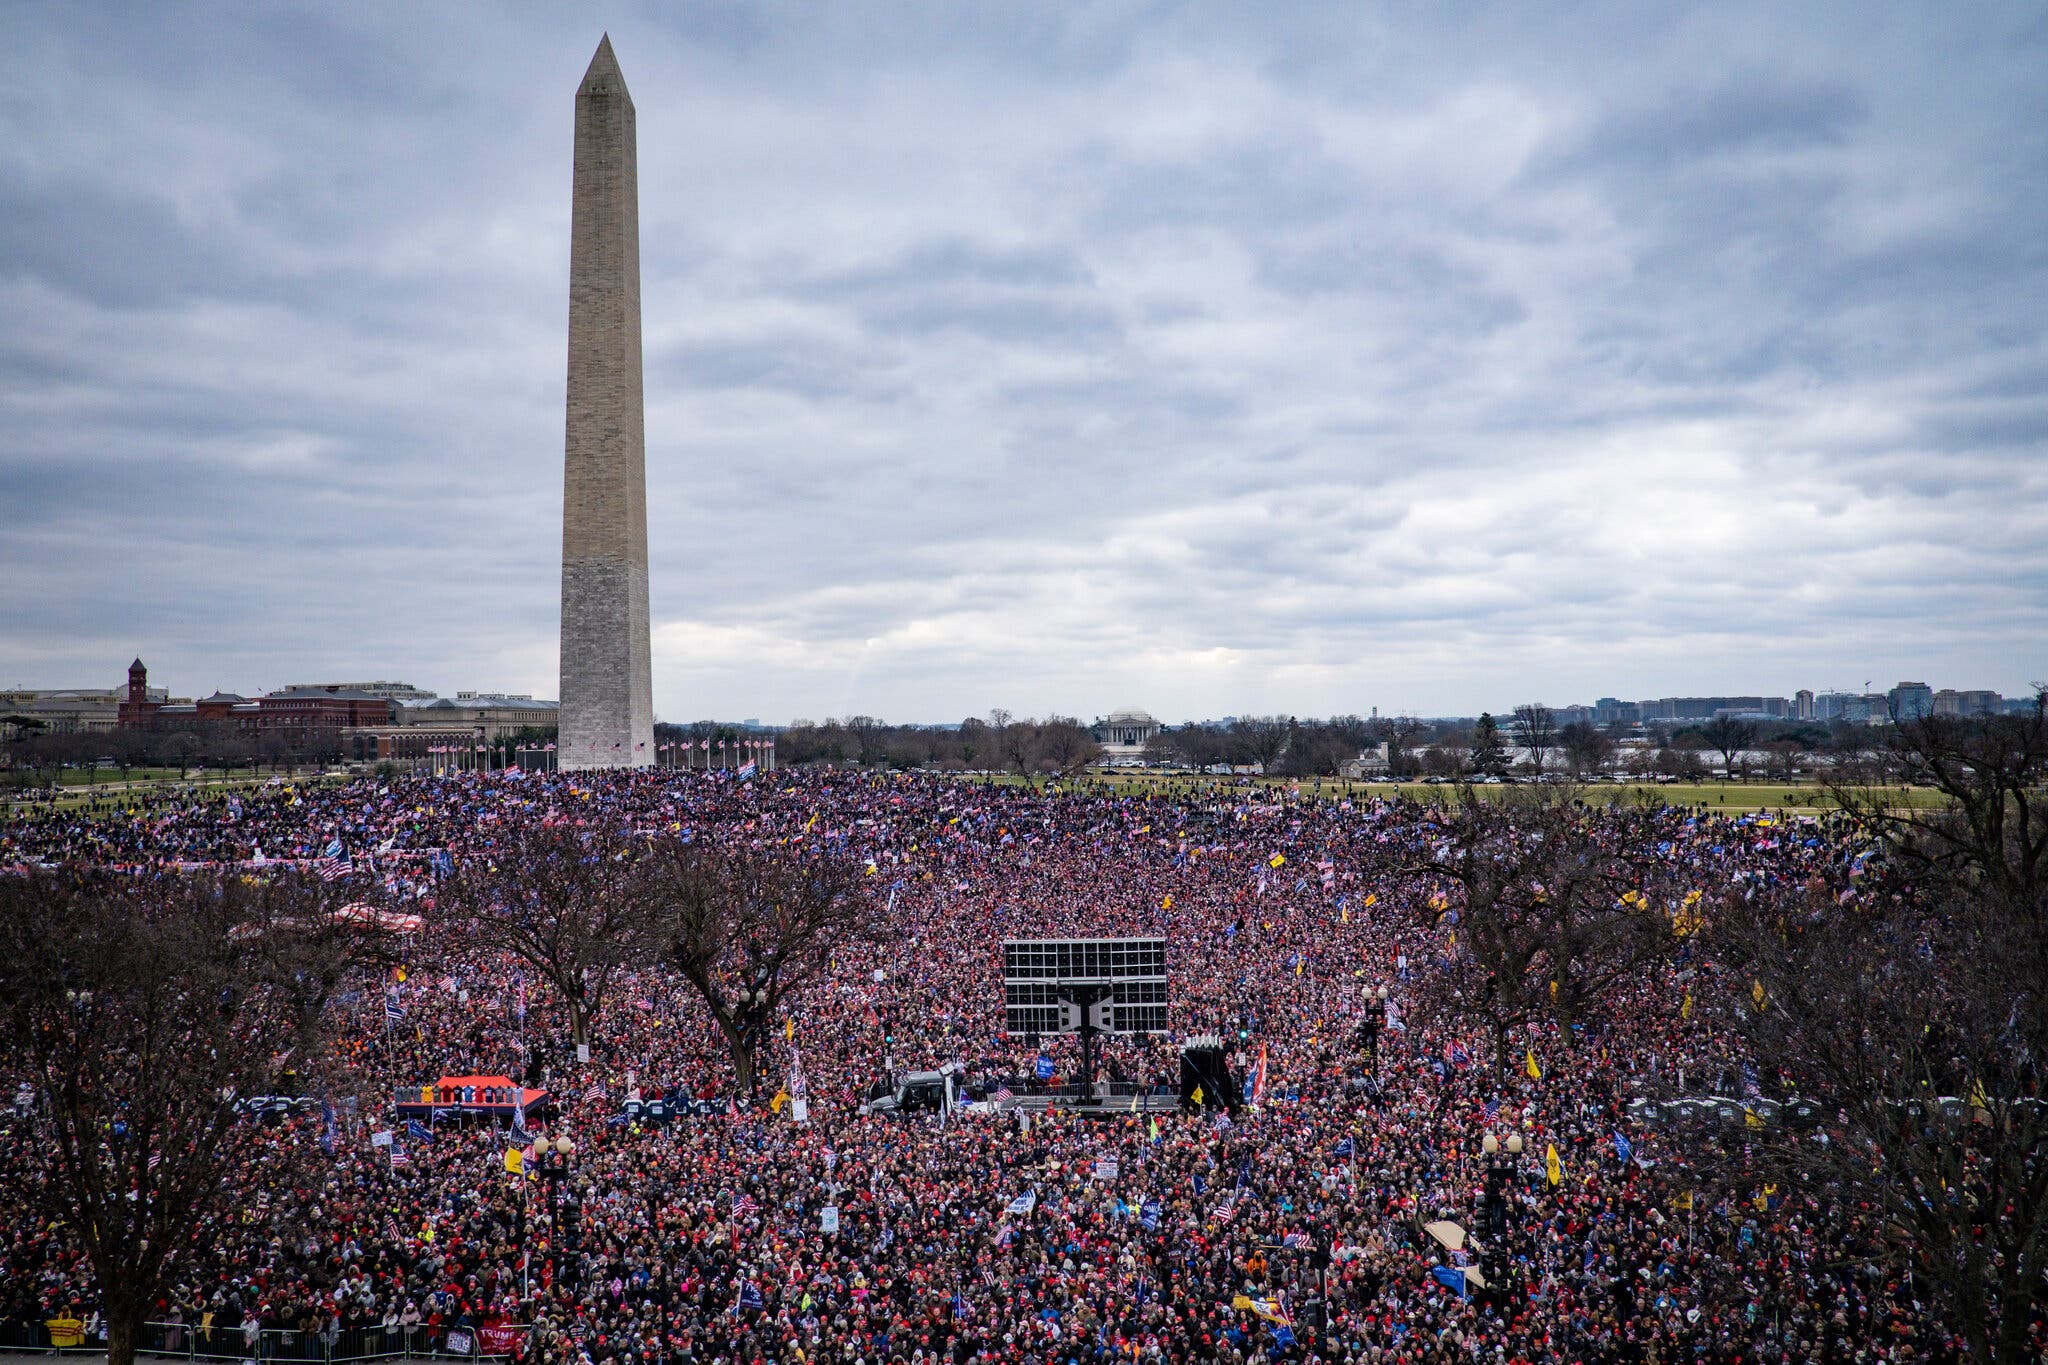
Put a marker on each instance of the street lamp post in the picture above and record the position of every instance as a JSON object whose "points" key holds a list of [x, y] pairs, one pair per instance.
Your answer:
{"points": [[756, 1002], [1498, 1169]]}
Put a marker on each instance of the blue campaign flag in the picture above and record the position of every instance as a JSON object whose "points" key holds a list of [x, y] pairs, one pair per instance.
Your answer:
{"points": [[1623, 1148], [1283, 1335], [1149, 1215], [750, 1298], [415, 1131], [1450, 1277], [1201, 1183], [959, 1305], [1044, 1069], [1345, 1147]]}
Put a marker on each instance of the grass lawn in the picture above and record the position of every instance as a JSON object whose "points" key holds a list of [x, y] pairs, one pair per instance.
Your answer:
{"points": [[74, 791], [1721, 797]]}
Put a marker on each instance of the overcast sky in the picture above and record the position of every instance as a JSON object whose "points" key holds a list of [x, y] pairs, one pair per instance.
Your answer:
{"points": [[1212, 359]]}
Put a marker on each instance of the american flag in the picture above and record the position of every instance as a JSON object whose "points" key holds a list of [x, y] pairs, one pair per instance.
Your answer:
{"points": [[398, 1155], [334, 863], [1493, 1109], [595, 1094], [743, 1203], [1223, 1123], [1294, 1241], [1002, 1095], [155, 1159]]}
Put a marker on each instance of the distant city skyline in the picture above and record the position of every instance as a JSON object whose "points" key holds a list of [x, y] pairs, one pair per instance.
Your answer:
{"points": [[1827, 703], [1207, 359]]}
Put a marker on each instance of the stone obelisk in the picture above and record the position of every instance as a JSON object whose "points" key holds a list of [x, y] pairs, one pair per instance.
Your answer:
{"points": [[607, 716]]}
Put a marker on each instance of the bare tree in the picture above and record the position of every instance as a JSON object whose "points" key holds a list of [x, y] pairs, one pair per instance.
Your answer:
{"points": [[1068, 744], [1587, 751], [973, 739], [568, 903], [1536, 730], [1401, 734], [1017, 743], [748, 928], [870, 736], [137, 1011], [1730, 736], [1264, 739], [1538, 917], [1910, 1007]]}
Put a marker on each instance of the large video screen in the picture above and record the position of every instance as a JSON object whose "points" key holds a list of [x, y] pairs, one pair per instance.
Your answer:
{"points": [[1036, 970]]}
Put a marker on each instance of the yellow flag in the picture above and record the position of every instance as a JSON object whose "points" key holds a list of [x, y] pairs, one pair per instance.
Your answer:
{"points": [[1166, 904], [1750, 1118], [1685, 1009], [1345, 915], [1372, 898], [1535, 1071], [1297, 966], [1756, 993], [515, 1161], [1683, 1202], [1977, 1095], [781, 1098], [1553, 989], [788, 1029], [1277, 860], [1196, 1096], [1553, 1169]]}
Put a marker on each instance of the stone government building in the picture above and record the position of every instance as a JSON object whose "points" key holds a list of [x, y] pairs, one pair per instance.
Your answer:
{"points": [[376, 720], [1124, 735]]}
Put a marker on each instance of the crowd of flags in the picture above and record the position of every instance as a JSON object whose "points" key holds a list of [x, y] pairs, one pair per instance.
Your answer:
{"points": [[334, 862]]}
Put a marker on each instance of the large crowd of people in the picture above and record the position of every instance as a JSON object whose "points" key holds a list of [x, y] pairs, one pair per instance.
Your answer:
{"points": [[735, 1233]]}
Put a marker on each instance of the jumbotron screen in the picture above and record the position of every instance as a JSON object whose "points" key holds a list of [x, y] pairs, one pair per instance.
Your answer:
{"points": [[1035, 970]]}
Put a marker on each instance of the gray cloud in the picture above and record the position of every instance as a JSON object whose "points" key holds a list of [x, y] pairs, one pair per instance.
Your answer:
{"points": [[1049, 357]]}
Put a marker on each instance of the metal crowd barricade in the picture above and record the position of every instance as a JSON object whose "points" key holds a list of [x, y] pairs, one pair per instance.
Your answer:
{"points": [[24, 1337], [287, 1346]]}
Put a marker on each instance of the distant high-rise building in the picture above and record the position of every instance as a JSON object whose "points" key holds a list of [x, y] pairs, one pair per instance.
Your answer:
{"points": [[1706, 708], [1802, 704], [1910, 701], [1613, 711], [1950, 701], [1855, 708]]}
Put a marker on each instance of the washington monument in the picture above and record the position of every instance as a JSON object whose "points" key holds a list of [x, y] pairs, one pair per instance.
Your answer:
{"points": [[607, 715]]}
